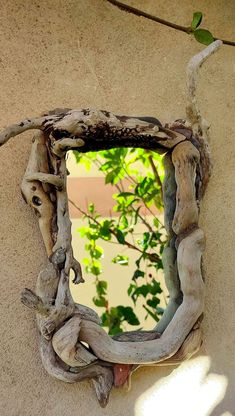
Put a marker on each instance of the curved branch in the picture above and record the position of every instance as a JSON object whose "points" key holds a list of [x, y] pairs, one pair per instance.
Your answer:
{"points": [[38, 123], [45, 178], [94, 130], [193, 115], [152, 351]]}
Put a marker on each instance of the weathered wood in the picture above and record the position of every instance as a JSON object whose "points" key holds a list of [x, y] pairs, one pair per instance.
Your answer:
{"points": [[169, 189], [64, 237], [185, 158], [63, 325], [169, 260], [93, 130], [103, 376], [51, 292], [189, 266], [190, 347], [45, 178], [66, 345], [169, 253], [194, 118], [34, 193]]}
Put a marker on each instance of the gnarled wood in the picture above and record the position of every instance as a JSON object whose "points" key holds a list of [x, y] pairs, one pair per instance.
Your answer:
{"points": [[63, 325], [185, 158], [169, 253], [194, 118], [169, 260], [35, 194]]}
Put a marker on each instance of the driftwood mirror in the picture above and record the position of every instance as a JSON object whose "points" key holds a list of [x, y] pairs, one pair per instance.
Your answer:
{"points": [[73, 345]]}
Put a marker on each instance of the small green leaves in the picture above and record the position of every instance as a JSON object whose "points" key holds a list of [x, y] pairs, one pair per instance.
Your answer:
{"points": [[130, 172], [104, 230], [101, 287], [91, 208], [101, 290], [203, 36], [128, 315], [138, 273], [120, 236], [100, 302], [120, 259], [153, 302], [115, 316], [197, 19]]}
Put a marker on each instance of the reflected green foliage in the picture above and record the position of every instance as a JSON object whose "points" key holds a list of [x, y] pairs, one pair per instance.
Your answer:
{"points": [[136, 175]]}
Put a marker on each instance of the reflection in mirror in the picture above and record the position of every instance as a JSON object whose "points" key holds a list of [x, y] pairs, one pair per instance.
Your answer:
{"points": [[116, 210]]}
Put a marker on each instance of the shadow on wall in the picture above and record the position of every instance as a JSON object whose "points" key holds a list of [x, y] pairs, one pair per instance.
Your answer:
{"points": [[190, 390]]}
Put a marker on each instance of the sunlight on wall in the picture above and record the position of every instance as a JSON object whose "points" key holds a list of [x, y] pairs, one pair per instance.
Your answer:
{"points": [[188, 391]]}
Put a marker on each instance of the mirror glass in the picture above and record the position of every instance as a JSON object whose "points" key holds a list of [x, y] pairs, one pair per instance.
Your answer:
{"points": [[118, 235]]}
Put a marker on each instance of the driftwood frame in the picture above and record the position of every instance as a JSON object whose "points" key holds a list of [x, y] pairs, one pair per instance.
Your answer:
{"points": [[63, 325]]}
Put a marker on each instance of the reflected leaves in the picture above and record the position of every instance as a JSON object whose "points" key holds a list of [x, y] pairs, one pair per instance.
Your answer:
{"points": [[137, 203]]}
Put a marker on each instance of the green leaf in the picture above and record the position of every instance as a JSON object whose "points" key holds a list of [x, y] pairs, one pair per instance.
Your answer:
{"points": [[203, 36], [115, 330], [197, 19], [95, 269], [105, 230], [130, 289], [120, 236], [124, 194], [91, 208], [101, 301], [138, 261], [97, 252], [101, 287], [128, 315], [120, 259], [155, 287], [153, 302], [110, 177], [124, 221], [142, 290], [105, 319], [138, 273]]}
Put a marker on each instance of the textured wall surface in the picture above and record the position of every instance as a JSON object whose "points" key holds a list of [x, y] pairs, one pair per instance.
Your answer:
{"points": [[88, 53]]}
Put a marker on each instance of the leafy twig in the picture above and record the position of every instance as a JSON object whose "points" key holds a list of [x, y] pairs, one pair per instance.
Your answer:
{"points": [[127, 243], [141, 13]]}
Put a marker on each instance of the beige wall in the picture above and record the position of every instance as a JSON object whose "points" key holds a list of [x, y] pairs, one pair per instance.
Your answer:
{"points": [[80, 53]]}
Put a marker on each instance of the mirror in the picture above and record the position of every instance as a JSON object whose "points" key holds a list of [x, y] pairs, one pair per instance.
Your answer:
{"points": [[126, 295]]}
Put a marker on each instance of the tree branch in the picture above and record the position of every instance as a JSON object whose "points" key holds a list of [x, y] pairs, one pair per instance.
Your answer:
{"points": [[140, 13]]}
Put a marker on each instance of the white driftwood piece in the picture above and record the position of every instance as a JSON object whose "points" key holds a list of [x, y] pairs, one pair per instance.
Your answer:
{"points": [[63, 325]]}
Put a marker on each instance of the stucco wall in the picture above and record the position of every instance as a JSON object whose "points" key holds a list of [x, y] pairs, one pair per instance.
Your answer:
{"points": [[88, 53]]}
